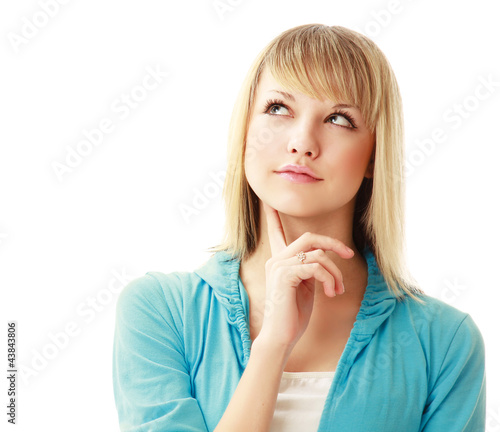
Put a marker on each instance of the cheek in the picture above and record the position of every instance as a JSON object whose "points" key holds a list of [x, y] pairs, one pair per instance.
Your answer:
{"points": [[255, 162], [263, 144], [262, 137], [354, 162], [356, 159]]}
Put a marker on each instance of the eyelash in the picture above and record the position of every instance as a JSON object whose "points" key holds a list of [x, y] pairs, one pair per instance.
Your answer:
{"points": [[272, 102]]}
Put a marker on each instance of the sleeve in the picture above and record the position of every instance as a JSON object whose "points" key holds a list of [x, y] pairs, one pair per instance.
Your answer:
{"points": [[151, 380], [457, 401]]}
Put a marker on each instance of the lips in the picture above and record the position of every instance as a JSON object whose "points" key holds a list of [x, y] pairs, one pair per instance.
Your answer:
{"points": [[297, 178], [299, 169]]}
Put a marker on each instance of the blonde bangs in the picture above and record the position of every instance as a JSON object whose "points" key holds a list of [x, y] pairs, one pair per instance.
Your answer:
{"points": [[319, 63]]}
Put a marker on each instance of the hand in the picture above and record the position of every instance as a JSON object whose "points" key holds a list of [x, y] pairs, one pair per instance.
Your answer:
{"points": [[290, 284]]}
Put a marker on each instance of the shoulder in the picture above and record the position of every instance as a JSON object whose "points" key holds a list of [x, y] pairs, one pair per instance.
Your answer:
{"points": [[440, 325], [146, 288], [432, 310], [157, 293], [153, 292]]}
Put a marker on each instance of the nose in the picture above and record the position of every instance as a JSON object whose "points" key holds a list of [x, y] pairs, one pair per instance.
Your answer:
{"points": [[304, 140]]}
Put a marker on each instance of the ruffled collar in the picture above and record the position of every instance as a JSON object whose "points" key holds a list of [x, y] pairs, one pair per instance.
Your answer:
{"points": [[221, 273]]}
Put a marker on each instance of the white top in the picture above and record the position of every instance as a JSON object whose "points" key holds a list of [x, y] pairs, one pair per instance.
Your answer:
{"points": [[300, 401]]}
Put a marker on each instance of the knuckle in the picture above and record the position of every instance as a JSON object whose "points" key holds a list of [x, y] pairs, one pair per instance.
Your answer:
{"points": [[308, 235], [281, 273], [320, 253], [270, 264], [288, 273]]}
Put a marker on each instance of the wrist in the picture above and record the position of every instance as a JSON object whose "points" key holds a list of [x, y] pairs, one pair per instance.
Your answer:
{"points": [[264, 346]]}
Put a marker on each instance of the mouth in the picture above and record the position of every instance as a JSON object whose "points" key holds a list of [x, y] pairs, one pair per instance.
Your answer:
{"points": [[298, 169], [297, 177], [298, 173]]}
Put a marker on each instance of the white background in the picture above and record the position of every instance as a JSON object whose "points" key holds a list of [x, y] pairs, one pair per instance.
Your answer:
{"points": [[120, 210]]}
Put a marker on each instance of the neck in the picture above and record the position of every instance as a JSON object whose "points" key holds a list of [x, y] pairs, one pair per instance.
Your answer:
{"points": [[338, 226]]}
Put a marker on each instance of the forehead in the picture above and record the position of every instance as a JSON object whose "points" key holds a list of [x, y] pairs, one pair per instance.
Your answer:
{"points": [[266, 77], [267, 82]]}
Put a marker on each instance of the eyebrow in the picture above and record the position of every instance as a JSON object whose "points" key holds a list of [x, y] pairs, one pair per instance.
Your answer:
{"points": [[289, 96]]}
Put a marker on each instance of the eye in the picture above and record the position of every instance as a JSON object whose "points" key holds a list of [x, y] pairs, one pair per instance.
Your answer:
{"points": [[343, 119], [339, 118], [272, 104]]}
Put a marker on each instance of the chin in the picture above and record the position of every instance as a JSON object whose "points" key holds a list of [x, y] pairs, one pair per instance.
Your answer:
{"points": [[294, 207]]}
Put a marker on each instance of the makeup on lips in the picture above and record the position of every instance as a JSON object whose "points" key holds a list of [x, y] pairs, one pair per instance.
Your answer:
{"points": [[298, 174]]}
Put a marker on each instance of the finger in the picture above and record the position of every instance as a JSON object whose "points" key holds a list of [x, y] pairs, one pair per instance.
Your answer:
{"points": [[320, 256], [311, 241], [318, 272], [274, 230]]}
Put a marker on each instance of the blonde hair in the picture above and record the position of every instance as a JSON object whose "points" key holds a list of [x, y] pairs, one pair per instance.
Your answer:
{"points": [[339, 64]]}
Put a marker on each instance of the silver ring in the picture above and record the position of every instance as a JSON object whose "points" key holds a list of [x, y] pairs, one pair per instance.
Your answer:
{"points": [[301, 256]]}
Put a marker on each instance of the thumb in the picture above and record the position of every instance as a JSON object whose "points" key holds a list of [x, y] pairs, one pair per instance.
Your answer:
{"points": [[274, 230]]}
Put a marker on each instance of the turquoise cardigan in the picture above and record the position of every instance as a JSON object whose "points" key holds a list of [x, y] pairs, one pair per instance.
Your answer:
{"points": [[182, 343]]}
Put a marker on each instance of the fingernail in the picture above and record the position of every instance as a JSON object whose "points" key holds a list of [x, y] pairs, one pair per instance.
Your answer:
{"points": [[348, 249], [343, 287]]}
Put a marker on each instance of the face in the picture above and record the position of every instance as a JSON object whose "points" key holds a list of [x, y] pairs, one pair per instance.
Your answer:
{"points": [[332, 141]]}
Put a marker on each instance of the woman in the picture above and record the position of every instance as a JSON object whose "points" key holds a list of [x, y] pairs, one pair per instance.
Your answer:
{"points": [[306, 317]]}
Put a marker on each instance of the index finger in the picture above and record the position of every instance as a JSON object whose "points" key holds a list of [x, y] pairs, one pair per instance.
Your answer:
{"points": [[274, 230]]}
